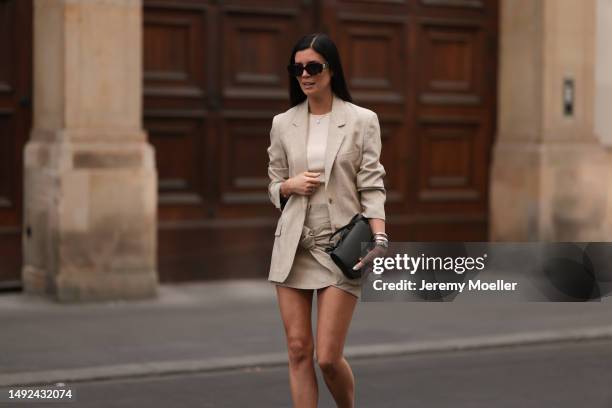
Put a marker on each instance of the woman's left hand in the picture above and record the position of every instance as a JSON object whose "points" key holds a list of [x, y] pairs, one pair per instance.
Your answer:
{"points": [[375, 252]]}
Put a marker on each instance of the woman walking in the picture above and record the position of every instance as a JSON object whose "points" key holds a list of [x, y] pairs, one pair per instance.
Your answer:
{"points": [[324, 168]]}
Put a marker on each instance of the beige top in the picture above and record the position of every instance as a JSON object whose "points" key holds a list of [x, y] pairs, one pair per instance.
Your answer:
{"points": [[318, 127]]}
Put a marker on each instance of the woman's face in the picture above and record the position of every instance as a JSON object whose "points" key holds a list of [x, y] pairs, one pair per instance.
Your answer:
{"points": [[312, 85]]}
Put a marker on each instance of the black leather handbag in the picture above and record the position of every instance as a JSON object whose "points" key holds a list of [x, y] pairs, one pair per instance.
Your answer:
{"points": [[346, 252]]}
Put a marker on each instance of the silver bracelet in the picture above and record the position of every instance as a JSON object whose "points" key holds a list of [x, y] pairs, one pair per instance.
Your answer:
{"points": [[384, 244]]}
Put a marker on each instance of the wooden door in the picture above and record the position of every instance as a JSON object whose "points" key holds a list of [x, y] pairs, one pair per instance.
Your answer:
{"points": [[428, 68], [214, 77], [15, 121]]}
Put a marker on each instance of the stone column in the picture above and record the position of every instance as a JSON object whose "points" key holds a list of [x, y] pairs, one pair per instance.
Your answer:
{"points": [[549, 180], [90, 180], [603, 73]]}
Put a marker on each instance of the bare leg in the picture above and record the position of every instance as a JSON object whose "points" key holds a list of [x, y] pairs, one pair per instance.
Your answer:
{"points": [[296, 309], [335, 311]]}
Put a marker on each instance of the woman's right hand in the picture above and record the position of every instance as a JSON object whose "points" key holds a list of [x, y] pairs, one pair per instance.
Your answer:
{"points": [[304, 183]]}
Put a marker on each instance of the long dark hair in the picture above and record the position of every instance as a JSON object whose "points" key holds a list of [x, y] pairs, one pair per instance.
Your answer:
{"points": [[322, 44]]}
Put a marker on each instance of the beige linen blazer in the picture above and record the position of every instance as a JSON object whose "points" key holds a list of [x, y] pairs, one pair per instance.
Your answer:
{"points": [[353, 173]]}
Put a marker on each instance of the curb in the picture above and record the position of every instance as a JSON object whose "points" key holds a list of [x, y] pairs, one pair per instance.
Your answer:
{"points": [[138, 370]]}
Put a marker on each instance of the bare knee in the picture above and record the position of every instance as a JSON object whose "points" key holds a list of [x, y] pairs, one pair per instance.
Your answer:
{"points": [[300, 351], [329, 363]]}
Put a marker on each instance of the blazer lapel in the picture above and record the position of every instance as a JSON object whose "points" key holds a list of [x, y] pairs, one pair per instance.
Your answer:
{"points": [[300, 123], [335, 135]]}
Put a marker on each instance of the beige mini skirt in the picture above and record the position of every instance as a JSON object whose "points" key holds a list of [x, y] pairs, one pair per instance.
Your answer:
{"points": [[312, 267]]}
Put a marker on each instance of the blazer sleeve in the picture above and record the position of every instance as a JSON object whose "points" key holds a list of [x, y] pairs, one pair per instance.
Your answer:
{"points": [[371, 172], [278, 169]]}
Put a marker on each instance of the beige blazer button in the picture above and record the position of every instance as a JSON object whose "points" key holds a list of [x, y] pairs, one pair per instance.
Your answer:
{"points": [[330, 201]]}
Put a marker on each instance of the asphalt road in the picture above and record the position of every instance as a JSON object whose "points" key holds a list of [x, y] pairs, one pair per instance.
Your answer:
{"points": [[558, 376]]}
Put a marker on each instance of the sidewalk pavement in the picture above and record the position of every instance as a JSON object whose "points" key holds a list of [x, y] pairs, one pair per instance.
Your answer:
{"points": [[197, 327]]}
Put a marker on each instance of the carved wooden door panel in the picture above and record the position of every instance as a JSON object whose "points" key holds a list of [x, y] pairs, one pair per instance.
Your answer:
{"points": [[15, 122]]}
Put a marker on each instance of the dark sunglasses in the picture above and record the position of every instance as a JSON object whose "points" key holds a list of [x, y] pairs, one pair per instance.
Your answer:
{"points": [[313, 68]]}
